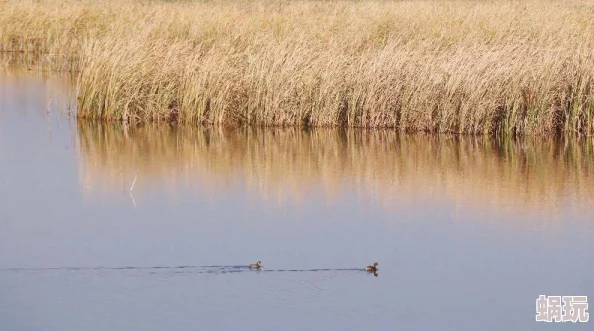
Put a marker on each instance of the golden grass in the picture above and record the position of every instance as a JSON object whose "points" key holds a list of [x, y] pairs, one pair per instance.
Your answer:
{"points": [[531, 175], [496, 67]]}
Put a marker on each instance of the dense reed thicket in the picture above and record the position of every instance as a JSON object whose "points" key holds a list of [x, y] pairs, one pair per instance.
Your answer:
{"points": [[496, 67]]}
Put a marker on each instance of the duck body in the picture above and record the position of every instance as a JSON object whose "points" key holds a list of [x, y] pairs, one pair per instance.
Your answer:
{"points": [[256, 265], [372, 268]]}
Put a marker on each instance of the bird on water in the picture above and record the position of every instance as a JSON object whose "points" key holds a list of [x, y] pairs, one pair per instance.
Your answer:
{"points": [[372, 268], [256, 265]]}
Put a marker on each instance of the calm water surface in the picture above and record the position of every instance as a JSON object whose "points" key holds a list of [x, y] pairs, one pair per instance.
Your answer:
{"points": [[468, 232]]}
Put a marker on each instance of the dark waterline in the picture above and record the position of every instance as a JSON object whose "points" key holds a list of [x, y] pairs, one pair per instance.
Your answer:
{"points": [[468, 232]]}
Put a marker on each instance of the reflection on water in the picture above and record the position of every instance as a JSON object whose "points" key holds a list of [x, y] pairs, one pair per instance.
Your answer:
{"points": [[17, 62], [530, 175], [26, 90]]}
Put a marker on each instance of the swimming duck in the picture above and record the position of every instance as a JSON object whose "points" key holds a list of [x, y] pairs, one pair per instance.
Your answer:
{"points": [[372, 268], [256, 265]]}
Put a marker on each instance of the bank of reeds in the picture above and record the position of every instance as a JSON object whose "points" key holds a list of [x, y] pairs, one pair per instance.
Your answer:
{"points": [[496, 67], [531, 175]]}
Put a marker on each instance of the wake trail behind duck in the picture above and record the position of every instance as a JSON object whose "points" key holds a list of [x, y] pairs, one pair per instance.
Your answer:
{"points": [[209, 269]]}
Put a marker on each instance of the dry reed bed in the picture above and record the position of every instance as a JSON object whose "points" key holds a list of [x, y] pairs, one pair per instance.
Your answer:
{"points": [[529, 175], [514, 67]]}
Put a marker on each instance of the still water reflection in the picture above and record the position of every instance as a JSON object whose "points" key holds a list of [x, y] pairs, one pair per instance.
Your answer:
{"points": [[468, 231], [285, 165]]}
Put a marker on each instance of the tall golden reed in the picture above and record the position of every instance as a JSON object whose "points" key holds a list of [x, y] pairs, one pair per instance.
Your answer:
{"points": [[456, 66]]}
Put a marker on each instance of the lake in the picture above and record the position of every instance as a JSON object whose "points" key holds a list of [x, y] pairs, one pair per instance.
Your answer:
{"points": [[105, 226]]}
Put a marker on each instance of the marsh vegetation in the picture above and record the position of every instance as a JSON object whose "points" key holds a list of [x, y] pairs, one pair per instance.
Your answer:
{"points": [[494, 67]]}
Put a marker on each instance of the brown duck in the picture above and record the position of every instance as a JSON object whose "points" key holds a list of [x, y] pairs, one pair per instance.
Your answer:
{"points": [[372, 268], [256, 265]]}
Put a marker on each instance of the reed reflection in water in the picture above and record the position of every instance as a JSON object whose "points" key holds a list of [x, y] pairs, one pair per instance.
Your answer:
{"points": [[529, 175]]}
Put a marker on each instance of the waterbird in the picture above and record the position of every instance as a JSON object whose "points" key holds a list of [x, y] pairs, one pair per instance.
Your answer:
{"points": [[256, 265], [372, 268]]}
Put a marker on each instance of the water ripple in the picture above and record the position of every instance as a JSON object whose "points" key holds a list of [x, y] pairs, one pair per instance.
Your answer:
{"points": [[212, 269]]}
